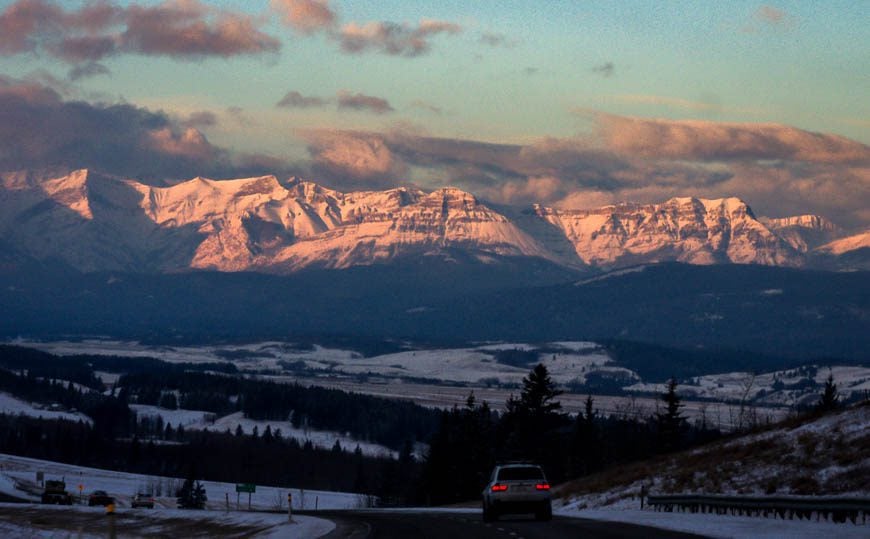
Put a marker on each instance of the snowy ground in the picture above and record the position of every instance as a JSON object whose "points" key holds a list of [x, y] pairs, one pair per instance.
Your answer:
{"points": [[567, 362], [12, 406], [831, 451], [787, 387], [725, 526], [18, 479], [476, 367], [91, 522]]}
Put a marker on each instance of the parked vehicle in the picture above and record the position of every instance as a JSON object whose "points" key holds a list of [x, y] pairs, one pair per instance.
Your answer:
{"points": [[100, 497], [517, 488], [55, 492], [143, 500]]}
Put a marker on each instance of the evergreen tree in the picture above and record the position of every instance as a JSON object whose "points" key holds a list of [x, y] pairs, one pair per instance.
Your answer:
{"points": [[168, 400], [191, 495], [531, 425], [830, 399], [670, 422], [538, 393]]}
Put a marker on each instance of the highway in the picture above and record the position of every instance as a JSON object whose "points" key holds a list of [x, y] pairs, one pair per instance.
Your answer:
{"points": [[447, 525]]}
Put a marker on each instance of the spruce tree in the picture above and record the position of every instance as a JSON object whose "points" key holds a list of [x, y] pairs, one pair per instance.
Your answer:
{"points": [[671, 421], [830, 399]]}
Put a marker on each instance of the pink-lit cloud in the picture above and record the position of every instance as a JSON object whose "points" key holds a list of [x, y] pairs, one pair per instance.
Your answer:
{"points": [[704, 140], [393, 38], [358, 101], [306, 16], [294, 99], [769, 17], [353, 158], [176, 28], [778, 170], [189, 28], [38, 128]]}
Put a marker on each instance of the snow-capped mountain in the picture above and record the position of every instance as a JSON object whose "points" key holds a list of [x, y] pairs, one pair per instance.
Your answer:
{"points": [[847, 244], [804, 232], [96, 222], [693, 230]]}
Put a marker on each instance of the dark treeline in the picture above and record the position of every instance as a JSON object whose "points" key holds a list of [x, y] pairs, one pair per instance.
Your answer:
{"points": [[263, 459], [385, 421], [26, 373], [472, 439]]}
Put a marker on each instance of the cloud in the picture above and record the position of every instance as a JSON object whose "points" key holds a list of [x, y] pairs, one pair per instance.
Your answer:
{"points": [[705, 140], [183, 29], [201, 119], [305, 16], [190, 29], [353, 159], [494, 39], [789, 172], [606, 69], [294, 99], [770, 15], [362, 102], [38, 129], [90, 69], [428, 107], [393, 38]]}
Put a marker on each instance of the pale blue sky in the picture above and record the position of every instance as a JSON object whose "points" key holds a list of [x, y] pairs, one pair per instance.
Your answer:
{"points": [[585, 102], [709, 60]]}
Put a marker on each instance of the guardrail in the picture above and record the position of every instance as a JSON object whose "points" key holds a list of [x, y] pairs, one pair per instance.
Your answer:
{"points": [[828, 508]]}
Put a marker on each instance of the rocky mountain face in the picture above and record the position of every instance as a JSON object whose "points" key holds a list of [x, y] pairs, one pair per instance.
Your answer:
{"points": [[804, 232], [96, 222]]}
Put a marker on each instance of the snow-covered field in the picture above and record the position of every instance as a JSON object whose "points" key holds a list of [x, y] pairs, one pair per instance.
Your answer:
{"points": [[12, 406], [566, 361], [89, 522], [18, 479], [723, 525], [199, 420], [788, 387]]}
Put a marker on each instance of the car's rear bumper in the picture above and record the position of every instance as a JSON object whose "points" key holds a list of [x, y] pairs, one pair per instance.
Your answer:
{"points": [[519, 506]]}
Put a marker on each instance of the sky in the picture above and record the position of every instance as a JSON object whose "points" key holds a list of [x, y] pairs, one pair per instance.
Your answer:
{"points": [[573, 104]]}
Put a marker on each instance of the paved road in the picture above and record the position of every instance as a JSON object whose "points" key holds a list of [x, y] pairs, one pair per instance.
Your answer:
{"points": [[436, 525]]}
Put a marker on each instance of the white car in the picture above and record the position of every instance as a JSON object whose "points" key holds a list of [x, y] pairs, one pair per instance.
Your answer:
{"points": [[517, 488]]}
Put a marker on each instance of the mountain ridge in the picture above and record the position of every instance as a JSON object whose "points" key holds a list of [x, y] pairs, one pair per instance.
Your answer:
{"points": [[96, 222]]}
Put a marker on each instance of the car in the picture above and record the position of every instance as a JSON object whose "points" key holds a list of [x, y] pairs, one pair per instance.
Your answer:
{"points": [[100, 497], [517, 488], [143, 500]]}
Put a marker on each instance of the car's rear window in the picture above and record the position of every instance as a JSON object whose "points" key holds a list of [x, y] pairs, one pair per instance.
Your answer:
{"points": [[520, 473]]}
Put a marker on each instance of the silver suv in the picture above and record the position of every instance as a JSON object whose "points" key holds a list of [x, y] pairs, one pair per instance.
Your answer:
{"points": [[517, 488]]}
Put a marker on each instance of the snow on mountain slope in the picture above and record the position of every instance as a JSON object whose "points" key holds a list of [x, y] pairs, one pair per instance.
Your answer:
{"points": [[445, 218], [847, 244], [693, 230], [803, 232], [96, 222]]}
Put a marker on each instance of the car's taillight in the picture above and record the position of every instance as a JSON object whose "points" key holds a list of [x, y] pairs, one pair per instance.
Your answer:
{"points": [[499, 488], [543, 486]]}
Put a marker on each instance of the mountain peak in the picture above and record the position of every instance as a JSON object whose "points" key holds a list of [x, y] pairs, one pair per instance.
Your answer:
{"points": [[261, 223]]}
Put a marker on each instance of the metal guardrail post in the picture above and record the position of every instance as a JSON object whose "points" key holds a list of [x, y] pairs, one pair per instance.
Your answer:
{"points": [[833, 509]]}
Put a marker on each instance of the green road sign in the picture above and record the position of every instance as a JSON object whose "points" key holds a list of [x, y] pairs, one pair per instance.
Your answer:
{"points": [[246, 487]]}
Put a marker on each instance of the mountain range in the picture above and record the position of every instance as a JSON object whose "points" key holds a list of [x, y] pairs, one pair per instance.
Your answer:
{"points": [[95, 222]]}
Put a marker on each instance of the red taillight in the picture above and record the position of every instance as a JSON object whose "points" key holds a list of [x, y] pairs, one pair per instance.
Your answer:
{"points": [[499, 488], [543, 486]]}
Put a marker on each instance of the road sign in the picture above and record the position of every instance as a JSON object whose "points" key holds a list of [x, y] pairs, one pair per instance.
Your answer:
{"points": [[246, 487]]}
